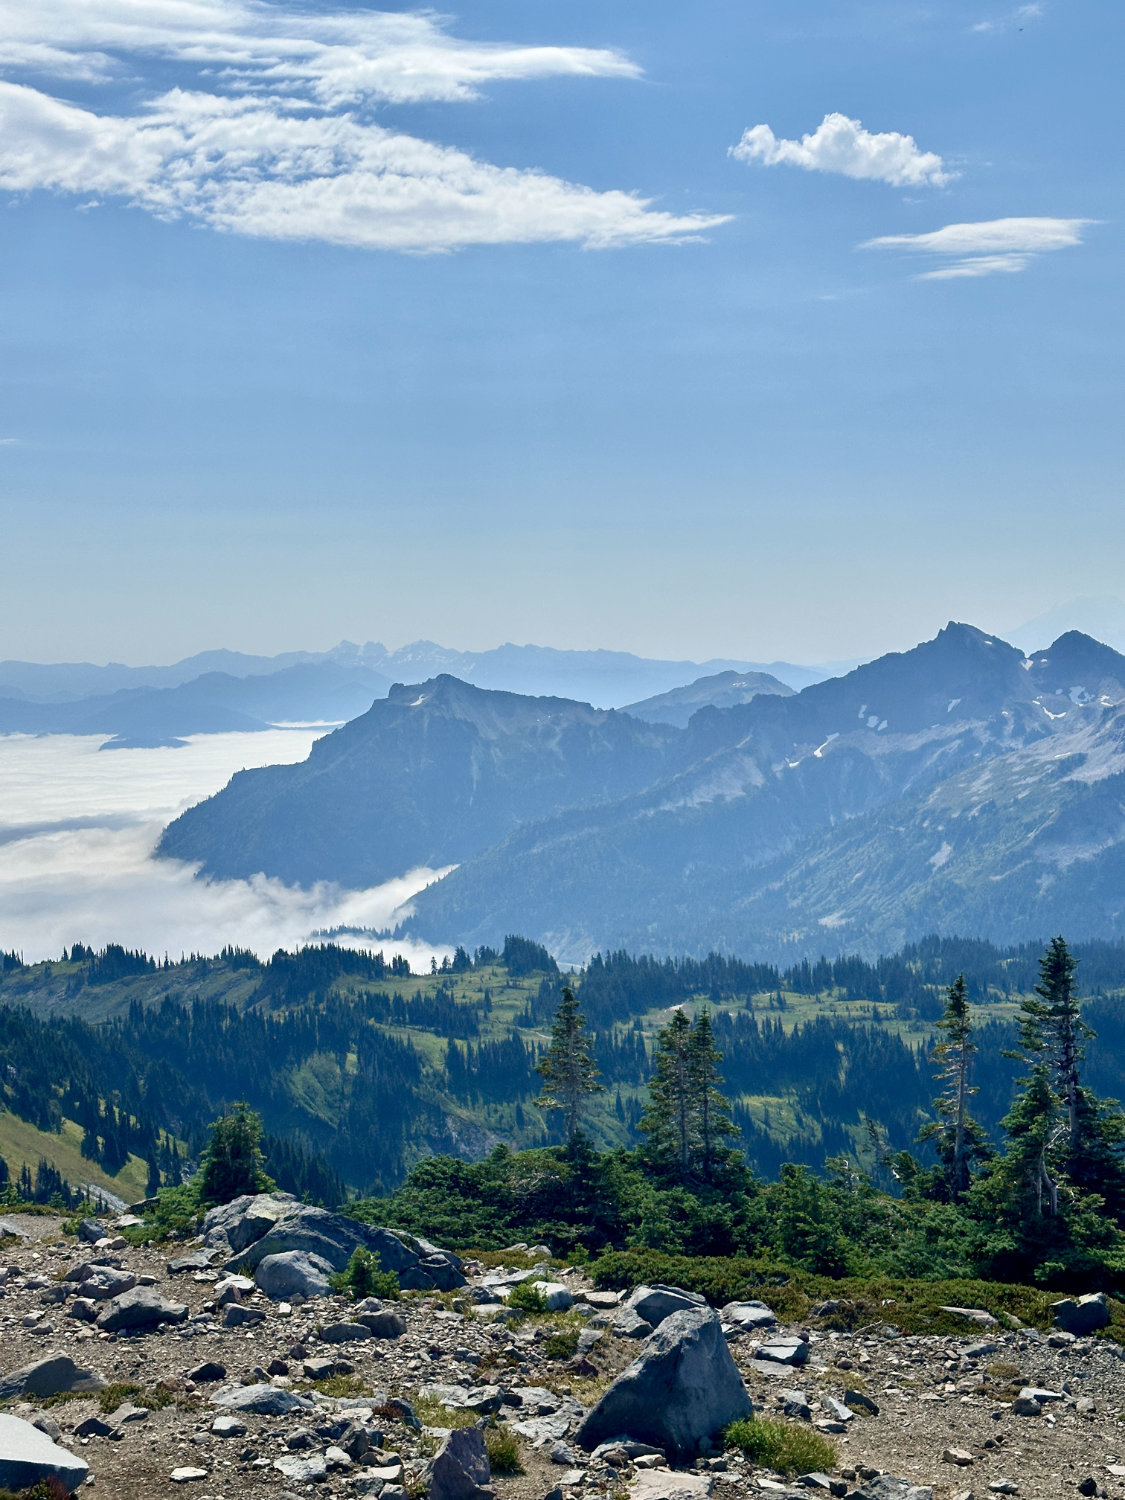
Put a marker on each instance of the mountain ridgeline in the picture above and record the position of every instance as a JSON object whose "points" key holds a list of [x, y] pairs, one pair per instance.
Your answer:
{"points": [[957, 787]]}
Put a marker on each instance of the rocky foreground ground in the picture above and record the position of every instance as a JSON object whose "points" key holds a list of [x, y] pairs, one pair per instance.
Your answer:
{"points": [[167, 1374]]}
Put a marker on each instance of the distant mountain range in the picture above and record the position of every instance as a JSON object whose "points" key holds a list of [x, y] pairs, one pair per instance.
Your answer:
{"points": [[220, 691], [723, 690], [960, 787]]}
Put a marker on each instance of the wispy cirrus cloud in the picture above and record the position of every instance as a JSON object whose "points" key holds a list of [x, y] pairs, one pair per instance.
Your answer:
{"points": [[986, 248], [840, 144], [1013, 20], [272, 130]]}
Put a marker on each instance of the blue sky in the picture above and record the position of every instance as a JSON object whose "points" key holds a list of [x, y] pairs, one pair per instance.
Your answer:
{"points": [[321, 322]]}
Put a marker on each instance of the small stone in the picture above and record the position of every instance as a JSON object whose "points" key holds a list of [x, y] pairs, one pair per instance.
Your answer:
{"points": [[303, 1470], [228, 1427], [959, 1456], [336, 1458], [94, 1427], [205, 1373], [187, 1475], [344, 1333], [860, 1402]]}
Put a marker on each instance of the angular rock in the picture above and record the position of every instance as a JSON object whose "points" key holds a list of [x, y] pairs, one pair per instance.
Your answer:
{"points": [[262, 1400], [344, 1333], [9, 1229], [1081, 1316], [384, 1324], [748, 1315], [885, 1487], [959, 1456], [140, 1308], [657, 1302], [785, 1351], [858, 1401], [205, 1373], [187, 1475], [90, 1231], [28, 1455], [233, 1289], [85, 1309], [195, 1260], [104, 1282], [681, 1390], [228, 1427], [796, 1404], [972, 1315], [1026, 1406], [629, 1324], [237, 1316], [460, 1469], [293, 1273], [838, 1410], [309, 1470], [663, 1484], [319, 1369], [49, 1377], [94, 1427]]}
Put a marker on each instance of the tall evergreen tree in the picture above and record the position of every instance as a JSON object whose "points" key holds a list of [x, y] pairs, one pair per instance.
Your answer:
{"points": [[959, 1138], [1052, 1030], [567, 1067], [668, 1115], [233, 1162], [712, 1110]]}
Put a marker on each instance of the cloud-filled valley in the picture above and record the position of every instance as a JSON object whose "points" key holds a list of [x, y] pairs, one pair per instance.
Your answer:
{"points": [[77, 830]]}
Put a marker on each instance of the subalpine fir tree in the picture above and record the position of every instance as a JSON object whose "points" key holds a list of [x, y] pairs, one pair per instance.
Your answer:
{"points": [[567, 1067], [712, 1111], [233, 1163], [687, 1119], [959, 1139]]}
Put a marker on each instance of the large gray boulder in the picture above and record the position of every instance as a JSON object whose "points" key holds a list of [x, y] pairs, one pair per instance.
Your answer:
{"points": [[262, 1400], [460, 1470], [293, 1273], [655, 1303], [49, 1377], [1084, 1315], [28, 1455], [332, 1237], [233, 1226], [679, 1393], [748, 1315], [140, 1308]]}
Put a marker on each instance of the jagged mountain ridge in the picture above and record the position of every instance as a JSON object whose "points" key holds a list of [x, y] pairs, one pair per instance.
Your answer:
{"points": [[432, 775], [958, 785], [818, 823]]}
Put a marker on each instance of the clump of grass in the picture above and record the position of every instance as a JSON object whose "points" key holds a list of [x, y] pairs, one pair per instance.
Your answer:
{"points": [[1002, 1369], [503, 1450], [431, 1413], [364, 1277], [781, 1445], [119, 1391], [339, 1385], [561, 1345]]}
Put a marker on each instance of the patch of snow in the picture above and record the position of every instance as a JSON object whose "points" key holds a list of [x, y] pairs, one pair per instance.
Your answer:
{"points": [[872, 720], [421, 698], [834, 919], [883, 724], [862, 710], [819, 751], [1026, 664], [1050, 715], [942, 856], [1079, 695], [953, 702]]}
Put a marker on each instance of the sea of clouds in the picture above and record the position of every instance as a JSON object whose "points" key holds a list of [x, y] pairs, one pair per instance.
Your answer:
{"points": [[78, 826]]}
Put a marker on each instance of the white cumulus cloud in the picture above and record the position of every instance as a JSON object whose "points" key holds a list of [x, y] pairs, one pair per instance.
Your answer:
{"points": [[271, 128], [987, 248], [839, 144]]}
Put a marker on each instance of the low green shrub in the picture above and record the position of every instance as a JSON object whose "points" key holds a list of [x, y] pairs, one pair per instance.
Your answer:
{"points": [[561, 1345], [781, 1445], [364, 1277], [155, 1398], [526, 1297]]}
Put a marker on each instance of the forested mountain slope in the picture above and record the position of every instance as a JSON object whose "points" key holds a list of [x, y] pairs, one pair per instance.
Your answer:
{"points": [[433, 774]]}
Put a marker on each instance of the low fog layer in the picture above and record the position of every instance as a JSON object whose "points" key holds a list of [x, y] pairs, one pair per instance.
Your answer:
{"points": [[77, 831]]}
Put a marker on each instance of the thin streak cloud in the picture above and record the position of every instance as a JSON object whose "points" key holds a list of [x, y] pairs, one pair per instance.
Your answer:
{"points": [[993, 246]]}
